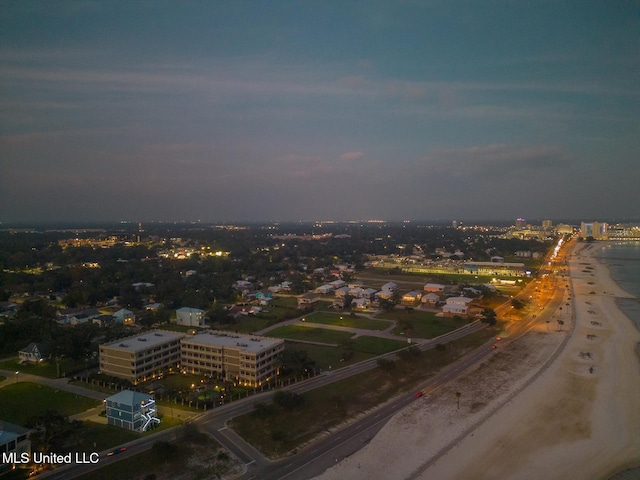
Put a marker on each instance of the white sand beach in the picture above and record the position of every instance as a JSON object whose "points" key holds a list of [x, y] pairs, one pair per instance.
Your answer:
{"points": [[533, 410]]}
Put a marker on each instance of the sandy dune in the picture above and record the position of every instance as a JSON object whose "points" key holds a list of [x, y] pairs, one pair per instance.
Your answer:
{"points": [[538, 408]]}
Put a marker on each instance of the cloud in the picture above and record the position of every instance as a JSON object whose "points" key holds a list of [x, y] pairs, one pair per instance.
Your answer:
{"points": [[351, 156], [496, 159]]}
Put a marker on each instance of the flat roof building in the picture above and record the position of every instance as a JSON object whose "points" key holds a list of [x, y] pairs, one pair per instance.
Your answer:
{"points": [[495, 268], [248, 360], [139, 357]]}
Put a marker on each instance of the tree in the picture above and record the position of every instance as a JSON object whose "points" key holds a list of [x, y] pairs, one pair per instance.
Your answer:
{"points": [[53, 432], [295, 362], [287, 400], [488, 316]]}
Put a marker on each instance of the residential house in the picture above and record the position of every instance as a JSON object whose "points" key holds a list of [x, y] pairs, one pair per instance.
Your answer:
{"points": [[337, 284], [131, 410], [339, 302], [125, 316], [237, 311], [324, 289], [392, 287], [360, 303], [384, 295], [33, 353], [457, 306], [264, 297], [308, 298], [412, 298], [369, 293], [341, 292], [190, 317], [103, 320], [434, 288], [430, 300], [8, 309], [356, 292]]}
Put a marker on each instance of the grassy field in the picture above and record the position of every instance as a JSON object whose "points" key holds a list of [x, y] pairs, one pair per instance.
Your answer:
{"points": [[46, 368], [421, 324], [346, 320], [299, 332], [328, 357], [328, 406], [23, 400], [377, 345]]}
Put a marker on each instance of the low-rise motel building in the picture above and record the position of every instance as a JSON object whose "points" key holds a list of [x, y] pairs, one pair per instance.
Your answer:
{"points": [[139, 357], [248, 360]]}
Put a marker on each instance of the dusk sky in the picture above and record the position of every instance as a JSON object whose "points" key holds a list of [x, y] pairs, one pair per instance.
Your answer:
{"points": [[334, 110]]}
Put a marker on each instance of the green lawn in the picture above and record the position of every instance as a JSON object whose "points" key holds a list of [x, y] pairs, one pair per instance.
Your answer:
{"points": [[346, 320], [299, 332], [377, 346], [325, 357], [23, 400], [365, 347], [46, 368], [422, 324]]}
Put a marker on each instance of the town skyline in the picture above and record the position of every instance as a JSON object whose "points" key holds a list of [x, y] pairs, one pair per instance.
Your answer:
{"points": [[290, 112]]}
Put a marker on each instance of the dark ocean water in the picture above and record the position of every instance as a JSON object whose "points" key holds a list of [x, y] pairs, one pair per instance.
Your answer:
{"points": [[623, 260]]}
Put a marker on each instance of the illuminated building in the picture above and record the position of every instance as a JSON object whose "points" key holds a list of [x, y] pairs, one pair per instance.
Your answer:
{"points": [[596, 230], [139, 357], [131, 410], [245, 359]]}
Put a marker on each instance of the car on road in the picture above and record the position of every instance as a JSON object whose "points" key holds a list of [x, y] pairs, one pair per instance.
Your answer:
{"points": [[116, 451], [493, 347], [418, 394], [498, 339]]}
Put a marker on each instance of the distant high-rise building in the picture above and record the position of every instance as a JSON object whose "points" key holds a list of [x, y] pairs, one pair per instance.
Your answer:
{"points": [[521, 223], [547, 224], [455, 224], [596, 230]]}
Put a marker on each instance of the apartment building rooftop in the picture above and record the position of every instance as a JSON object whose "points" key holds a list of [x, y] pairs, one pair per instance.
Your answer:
{"points": [[248, 343], [144, 341]]}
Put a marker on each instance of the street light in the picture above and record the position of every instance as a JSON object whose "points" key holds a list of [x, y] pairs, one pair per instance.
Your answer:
{"points": [[17, 372]]}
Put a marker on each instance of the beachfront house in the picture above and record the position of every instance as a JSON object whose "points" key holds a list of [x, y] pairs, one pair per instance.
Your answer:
{"points": [[131, 410]]}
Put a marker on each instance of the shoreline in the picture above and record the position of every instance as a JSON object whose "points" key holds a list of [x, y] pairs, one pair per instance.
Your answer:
{"points": [[557, 422]]}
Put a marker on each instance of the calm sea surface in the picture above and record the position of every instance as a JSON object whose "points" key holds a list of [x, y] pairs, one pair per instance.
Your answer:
{"points": [[623, 260]]}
